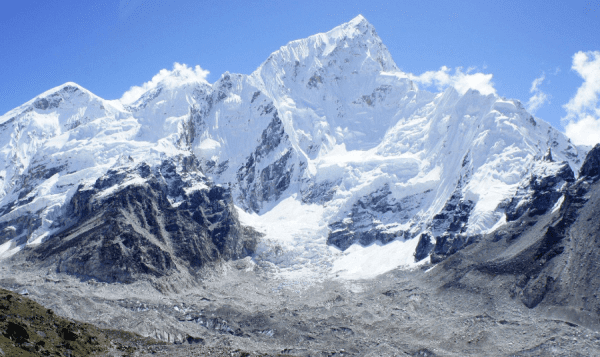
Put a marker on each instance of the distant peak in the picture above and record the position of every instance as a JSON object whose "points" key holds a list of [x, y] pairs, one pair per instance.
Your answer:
{"points": [[359, 24], [358, 20], [73, 87], [69, 86], [65, 88]]}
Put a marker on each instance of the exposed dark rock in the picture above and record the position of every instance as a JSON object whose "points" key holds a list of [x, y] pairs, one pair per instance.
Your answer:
{"points": [[453, 217], [254, 96], [364, 222], [550, 257], [136, 231], [424, 247], [548, 156], [212, 167], [539, 193], [272, 136], [534, 291], [16, 332], [196, 118], [23, 225], [343, 238], [269, 183], [54, 100], [449, 226], [319, 192], [591, 165], [314, 81], [45, 104], [35, 175], [450, 243], [379, 94]]}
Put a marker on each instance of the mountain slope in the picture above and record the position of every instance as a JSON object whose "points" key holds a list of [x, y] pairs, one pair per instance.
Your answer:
{"points": [[546, 257], [326, 130], [147, 221]]}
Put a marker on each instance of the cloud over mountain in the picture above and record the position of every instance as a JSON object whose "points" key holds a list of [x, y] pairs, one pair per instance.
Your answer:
{"points": [[538, 98], [180, 73], [462, 81], [583, 112]]}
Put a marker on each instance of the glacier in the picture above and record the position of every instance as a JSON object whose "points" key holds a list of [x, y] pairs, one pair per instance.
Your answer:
{"points": [[330, 150]]}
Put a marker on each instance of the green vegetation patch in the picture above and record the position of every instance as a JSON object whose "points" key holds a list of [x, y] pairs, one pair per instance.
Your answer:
{"points": [[29, 329]]}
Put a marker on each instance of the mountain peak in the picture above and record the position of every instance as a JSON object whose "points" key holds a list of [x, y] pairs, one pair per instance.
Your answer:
{"points": [[69, 87], [352, 44], [357, 27], [359, 21], [51, 99]]}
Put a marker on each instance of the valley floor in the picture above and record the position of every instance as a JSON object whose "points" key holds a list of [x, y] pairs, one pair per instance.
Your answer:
{"points": [[243, 307]]}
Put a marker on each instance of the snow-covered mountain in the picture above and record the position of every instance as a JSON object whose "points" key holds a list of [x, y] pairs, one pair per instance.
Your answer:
{"points": [[329, 150]]}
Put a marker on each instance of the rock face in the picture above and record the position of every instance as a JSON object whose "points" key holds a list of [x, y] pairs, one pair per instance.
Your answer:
{"points": [[142, 221], [424, 247], [449, 227], [549, 251], [591, 165], [538, 192], [368, 217], [267, 184], [541, 191]]}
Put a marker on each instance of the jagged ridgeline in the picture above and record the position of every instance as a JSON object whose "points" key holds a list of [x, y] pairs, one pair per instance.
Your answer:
{"points": [[144, 221], [328, 131], [547, 253]]}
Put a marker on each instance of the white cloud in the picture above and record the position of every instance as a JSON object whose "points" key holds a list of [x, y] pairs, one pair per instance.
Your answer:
{"points": [[587, 65], [536, 101], [539, 98], [584, 131], [181, 74], [462, 81], [583, 113], [536, 83]]}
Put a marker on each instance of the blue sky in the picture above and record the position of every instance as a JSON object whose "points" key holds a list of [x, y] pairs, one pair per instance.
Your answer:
{"points": [[109, 46]]}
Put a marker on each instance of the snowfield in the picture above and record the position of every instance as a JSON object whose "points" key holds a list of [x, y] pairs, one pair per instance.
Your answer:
{"points": [[329, 149]]}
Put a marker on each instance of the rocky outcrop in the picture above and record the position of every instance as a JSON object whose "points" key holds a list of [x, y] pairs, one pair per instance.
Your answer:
{"points": [[259, 182], [537, 193], [450, 225], [143, 221], [548, 258], [53, 101], [424, 247], [375, 217], [591, 165], [541, 190], [318, 192]]}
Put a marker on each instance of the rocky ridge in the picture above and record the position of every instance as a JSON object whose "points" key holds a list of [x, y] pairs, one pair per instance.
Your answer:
{"points": [[147, 222], [547, 252]]}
